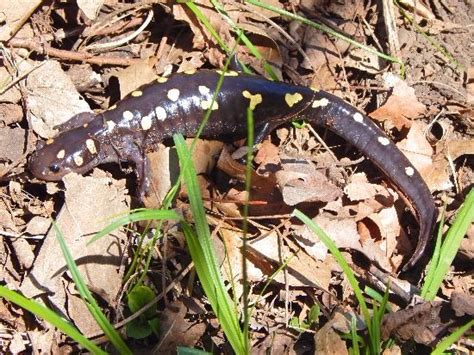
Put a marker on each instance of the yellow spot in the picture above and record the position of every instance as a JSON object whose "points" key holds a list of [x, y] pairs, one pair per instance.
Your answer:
{"points": [[358, 117], [190, 71], [61, 154], [227, 73], [146, 122], [203, 90], [85, 125], [161, 79], [113, 107], [160, 113], [383, 140], [320, 103], [409, 171], [292, 99], [254, 99], [127, 115], [78, 160], [90, 144], [137, 93], [110, 126], [50, 141], [173, 95], [205, 104], [314, 89]]}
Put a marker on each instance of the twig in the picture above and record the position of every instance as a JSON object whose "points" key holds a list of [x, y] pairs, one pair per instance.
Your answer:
{"points": [[121, 41], [46, 49]]}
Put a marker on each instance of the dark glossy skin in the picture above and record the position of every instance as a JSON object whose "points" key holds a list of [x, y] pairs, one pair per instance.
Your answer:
{"points": [[177, 105]]}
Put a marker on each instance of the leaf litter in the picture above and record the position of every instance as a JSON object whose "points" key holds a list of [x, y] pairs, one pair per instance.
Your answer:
{"points": [[341, 191]]}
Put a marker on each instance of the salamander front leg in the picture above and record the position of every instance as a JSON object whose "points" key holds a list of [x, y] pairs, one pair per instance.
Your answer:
{"points": [[139, 159]]}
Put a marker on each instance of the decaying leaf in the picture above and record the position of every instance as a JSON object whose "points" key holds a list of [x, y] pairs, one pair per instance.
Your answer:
{"points": [[52, 98], [300, 181], [422, 323], [328, 340], [417, 149], [177, 329], [134, 76], [402, 105], [89, 201]]}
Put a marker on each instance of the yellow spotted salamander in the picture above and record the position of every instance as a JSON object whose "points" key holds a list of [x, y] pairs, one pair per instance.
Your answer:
{"points": [[178, 103]]}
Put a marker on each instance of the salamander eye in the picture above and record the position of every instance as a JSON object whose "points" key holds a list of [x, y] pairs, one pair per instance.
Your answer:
{"points": [[54, 168]]}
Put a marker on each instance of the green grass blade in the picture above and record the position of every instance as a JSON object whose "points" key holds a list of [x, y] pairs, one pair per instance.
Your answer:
{"points": [[452, 338], [203, 19], [433, 264], [374, 331], [450, 246], [136, 216], [245, 40], [326, 29], [205, 260], [49, 316], [339, 258], [91, 304]]}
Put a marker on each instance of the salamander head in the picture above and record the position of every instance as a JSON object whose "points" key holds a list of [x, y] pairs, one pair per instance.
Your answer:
{"points": [[72, 151]]}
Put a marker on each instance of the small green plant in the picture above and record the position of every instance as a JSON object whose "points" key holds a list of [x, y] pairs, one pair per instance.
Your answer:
{"points": [[310, 321], [446, 250], [147, 323]]}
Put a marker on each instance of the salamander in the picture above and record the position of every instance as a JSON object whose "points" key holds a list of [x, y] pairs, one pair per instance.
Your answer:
{"points": [[178, 103]]}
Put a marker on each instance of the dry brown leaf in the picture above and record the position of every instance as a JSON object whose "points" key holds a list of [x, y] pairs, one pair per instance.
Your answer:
{"points": [[262, 185], [467, 244], [191, 61], [201, 37], [327, 339], [134, 76], [281, 341], [360, 189], [268, 154], [177, 329], [389, 229], [402, 105], [300, 181], [52, 98], [320, 50], [417, 149], [437, 176], [462, 304], [302, 270], [344, 234], [456, 148], [163, 173], [79, 313], [422, 323], [90, 203]]}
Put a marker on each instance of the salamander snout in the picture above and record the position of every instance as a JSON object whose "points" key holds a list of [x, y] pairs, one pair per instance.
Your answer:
{"points": [[58, 157]]}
